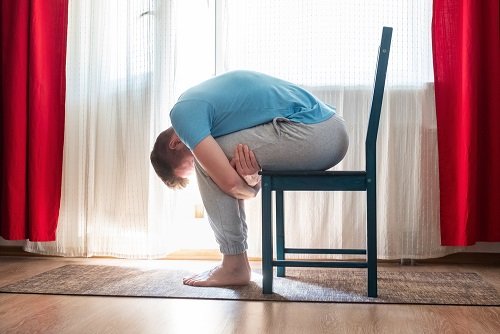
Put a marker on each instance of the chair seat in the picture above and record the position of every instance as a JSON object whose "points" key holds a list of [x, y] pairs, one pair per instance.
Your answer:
{"points": [[313, 172], [315, 180]]}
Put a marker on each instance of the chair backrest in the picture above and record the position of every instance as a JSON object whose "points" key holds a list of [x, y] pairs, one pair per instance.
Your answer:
{"points": [[378, 94]]}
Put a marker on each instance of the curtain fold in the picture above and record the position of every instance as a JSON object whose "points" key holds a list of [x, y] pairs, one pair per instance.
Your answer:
{"points": [[331, 49], [32, 80], [123, 76], [466, 54]]}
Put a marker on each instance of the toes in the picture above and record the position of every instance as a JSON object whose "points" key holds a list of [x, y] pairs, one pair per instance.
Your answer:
{"points": [[190, 282], [185, 280], [195, 280]]}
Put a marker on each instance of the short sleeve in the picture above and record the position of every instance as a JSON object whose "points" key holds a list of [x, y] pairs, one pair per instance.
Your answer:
{"points": [[191, 121]]}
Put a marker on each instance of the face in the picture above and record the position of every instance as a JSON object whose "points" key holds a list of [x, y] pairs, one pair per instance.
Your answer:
{"points": [[186, 166], [186, 163]]}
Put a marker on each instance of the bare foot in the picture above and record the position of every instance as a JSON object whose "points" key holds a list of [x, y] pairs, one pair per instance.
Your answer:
{"points": [[234, 270]]}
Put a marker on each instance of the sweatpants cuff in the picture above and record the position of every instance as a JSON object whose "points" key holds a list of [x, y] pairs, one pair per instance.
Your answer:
{"points": [[233, 249]]}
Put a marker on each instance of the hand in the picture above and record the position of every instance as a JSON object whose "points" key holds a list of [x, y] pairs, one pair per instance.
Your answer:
{"points": [[246, 165], [216, 165]]}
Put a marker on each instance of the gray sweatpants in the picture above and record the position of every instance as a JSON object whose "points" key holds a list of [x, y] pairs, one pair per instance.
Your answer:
{"points": [[278, 145]]}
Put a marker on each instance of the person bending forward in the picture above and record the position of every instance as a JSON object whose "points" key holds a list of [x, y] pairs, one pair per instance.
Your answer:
{"points": [[228, 128]]}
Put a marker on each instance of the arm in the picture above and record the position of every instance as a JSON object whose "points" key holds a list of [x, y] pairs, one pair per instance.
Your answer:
{"points": [[215, 163]]}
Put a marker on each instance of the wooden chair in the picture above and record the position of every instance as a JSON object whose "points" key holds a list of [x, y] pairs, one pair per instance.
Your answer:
{"points": [[280, 181]]}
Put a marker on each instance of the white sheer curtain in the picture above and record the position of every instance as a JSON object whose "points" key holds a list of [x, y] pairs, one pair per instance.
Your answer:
{"points": [[129, 60], [126, 64], [330, 47]]}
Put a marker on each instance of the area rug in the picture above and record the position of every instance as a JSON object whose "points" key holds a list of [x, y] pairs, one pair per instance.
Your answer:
{"points": [[300, 285]]}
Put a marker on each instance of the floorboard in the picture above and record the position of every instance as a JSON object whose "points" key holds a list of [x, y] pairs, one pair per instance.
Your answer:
{"points": [[76, 314]]}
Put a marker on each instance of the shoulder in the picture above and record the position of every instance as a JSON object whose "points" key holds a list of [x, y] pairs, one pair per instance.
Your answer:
{"points": [[190, 106]]}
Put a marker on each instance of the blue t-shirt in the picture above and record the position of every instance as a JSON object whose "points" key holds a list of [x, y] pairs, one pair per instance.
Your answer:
{"points": [[239, 100]]}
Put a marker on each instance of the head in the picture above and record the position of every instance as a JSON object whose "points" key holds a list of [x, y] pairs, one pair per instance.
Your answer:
{"points": [[172, 160]]}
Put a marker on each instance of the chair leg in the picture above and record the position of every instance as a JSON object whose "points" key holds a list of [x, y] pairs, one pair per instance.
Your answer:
{"points": [[371, 238], [372, 280], [267, 245], [280, 232]]}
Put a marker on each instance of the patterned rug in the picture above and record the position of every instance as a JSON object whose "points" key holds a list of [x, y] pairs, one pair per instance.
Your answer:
{"points": [[300, 285]]}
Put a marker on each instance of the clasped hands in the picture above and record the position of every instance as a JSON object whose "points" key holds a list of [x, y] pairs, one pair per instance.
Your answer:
{"points": [[246, 165]]}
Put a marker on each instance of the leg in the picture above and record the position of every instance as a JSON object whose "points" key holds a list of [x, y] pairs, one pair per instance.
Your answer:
{"points": [[227, 219], [280, 232], [285, 145], [371, 237], [267, 236], [227, 215], [277, 145]]}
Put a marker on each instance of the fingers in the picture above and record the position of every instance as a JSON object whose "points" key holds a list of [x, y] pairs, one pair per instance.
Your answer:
{"points": [[250, 160], [236, 161], [244, 156], [246, 152], [244, 160], [253, 161]]}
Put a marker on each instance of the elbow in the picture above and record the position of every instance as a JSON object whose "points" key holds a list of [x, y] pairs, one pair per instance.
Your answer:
{"points": [[231, 187], [239, 190], [235, 191]]}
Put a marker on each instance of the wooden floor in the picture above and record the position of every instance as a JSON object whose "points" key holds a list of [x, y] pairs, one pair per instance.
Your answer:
{"points": [[76, 314]]}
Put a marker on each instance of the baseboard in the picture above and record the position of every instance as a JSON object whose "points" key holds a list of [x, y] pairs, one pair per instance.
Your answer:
{"points": [[16, 251], [492, 259], [457, 258]]}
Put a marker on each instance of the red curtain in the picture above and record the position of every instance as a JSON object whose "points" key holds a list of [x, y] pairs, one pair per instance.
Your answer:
{"points": [[466, 51], [32, 78]]}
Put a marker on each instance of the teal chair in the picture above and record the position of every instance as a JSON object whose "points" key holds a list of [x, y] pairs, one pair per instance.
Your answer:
{"points": [[359, 180]]}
